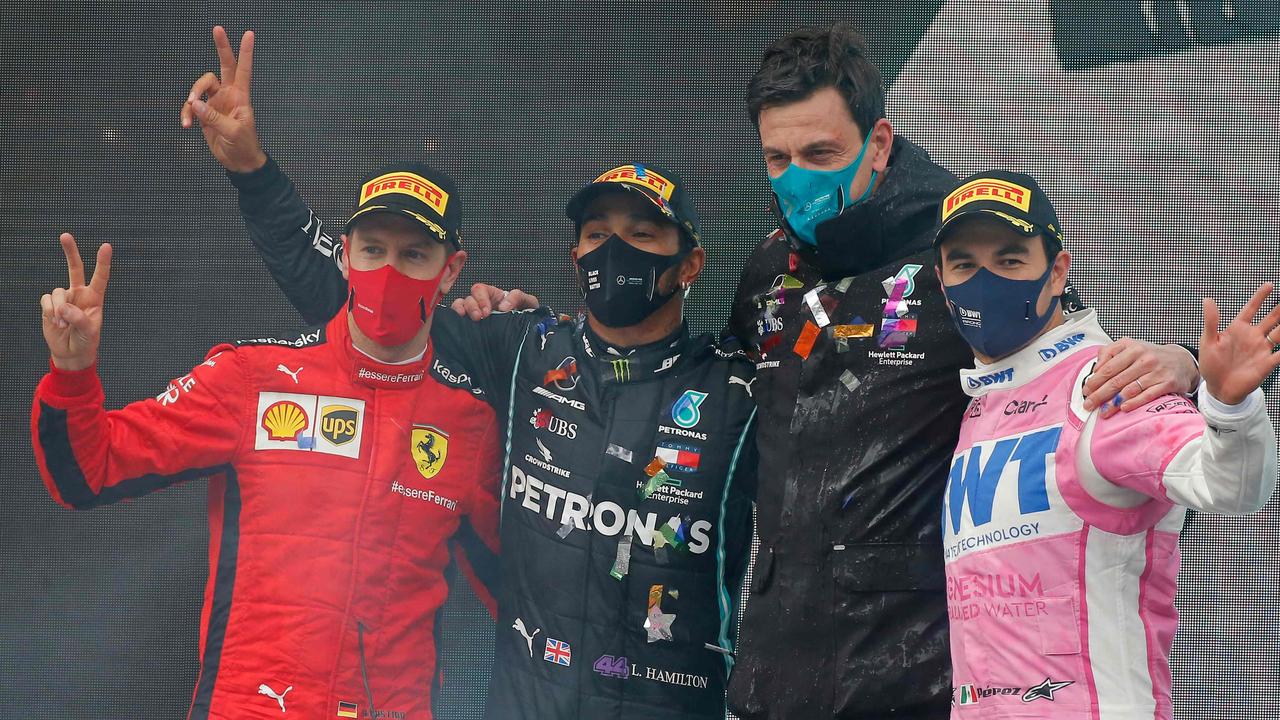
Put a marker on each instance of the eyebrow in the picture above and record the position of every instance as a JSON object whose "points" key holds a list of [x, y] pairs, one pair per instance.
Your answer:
{"points": [[1014, 248]]}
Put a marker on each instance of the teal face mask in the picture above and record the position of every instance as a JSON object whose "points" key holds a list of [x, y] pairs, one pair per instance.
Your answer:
{"points": [[808, 197]]}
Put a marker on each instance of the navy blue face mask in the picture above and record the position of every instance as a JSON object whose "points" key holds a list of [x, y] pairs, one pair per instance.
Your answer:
{"points": [[996, 315]]}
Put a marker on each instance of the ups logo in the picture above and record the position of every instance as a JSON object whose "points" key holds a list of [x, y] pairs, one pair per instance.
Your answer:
{"points": [[338, 424]]}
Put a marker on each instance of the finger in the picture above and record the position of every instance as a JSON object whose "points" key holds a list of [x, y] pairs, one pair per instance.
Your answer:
{"points": [[473, 309], [212, 119], [1271, 319], [482, 295], [57, 299], [1209, 336], [1105, 355], [226, 58], [101, 270], [1118, 383], [1145, 395], [244, 75], [459, 307], [46, 309], [79, 321], [518, 300], [1250, 308], [1096, 388], [75, 267], [207, 85]]}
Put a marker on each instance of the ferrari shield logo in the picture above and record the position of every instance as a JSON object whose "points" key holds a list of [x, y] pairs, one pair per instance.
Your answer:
{"points": [[429, 447]]}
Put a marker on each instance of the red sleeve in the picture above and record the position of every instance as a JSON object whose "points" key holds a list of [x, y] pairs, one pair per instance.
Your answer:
{"points": [[89, 457], [476, 542]]}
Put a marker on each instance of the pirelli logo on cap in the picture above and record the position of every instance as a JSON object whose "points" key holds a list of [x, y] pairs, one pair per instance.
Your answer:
{"points": [[643, 177], [406, 183], [987, 189]]}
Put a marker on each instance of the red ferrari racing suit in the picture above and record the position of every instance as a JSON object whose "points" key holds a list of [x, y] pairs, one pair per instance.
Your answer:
{"points": [[337, 485]]}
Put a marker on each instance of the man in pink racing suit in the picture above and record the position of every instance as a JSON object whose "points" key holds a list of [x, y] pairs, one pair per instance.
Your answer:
{"points": [[1060, 528]]}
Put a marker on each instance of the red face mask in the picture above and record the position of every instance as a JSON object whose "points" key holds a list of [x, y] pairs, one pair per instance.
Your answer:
{"points": [[389, 306]]}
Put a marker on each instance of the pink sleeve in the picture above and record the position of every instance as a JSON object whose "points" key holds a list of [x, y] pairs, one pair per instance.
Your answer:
{"points": [[1133, 449]]}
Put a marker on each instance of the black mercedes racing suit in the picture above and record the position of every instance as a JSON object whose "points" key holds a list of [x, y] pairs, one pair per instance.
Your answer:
{"points": [[619, 594]]}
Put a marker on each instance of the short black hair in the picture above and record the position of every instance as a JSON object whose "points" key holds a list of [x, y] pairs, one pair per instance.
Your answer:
{"points": [[811, 58]]}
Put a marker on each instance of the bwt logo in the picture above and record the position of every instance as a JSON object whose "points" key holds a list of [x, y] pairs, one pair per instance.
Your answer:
{"points": [[1063, 345], [974, 482], [994, 378]]}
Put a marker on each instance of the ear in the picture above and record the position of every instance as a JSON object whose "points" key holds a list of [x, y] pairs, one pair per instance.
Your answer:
{"points": [[691, 266], [452, 269], [937, 271], [881, 145], [1061, 266], [345, 261]]}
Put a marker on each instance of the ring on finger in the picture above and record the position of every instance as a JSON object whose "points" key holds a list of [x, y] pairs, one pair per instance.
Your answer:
{"points": [[1140, 385], [1268, 337]]}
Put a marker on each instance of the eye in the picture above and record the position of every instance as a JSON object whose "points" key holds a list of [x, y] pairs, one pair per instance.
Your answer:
{"points": [[371, 250]]}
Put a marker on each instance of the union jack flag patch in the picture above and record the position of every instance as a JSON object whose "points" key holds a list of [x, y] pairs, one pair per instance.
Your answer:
{"points": [[557, 652]]}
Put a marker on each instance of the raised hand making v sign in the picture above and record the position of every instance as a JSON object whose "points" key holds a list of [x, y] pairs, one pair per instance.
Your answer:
{"points": [[72, 316], [225, 113]]}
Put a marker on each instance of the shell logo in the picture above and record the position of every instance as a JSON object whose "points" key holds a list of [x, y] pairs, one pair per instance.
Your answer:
{"points": [[284, 420]]}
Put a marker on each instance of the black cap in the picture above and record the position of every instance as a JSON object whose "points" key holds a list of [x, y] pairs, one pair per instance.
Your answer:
{"points": [[1013, 197], [661, 187], [416, 190]]}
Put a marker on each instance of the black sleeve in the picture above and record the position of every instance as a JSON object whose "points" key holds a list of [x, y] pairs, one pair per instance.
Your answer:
{"points": [[301, 256], [744, 312], [738, 513], [487, 349]]}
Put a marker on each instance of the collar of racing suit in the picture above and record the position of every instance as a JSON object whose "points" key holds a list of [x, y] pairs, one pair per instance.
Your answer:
{"points": [[367, 371], [634, 364], [1081, 330]]}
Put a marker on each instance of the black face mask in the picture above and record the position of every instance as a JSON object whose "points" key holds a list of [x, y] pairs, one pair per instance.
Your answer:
{"points": [[620, 282]]}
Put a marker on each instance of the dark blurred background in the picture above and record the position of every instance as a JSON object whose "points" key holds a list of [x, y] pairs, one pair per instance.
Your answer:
{"points": [[1152, 124]]}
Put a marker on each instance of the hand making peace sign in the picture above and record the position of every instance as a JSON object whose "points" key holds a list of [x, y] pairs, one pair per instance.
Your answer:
{"points": [[226, 116], [72, 316]]}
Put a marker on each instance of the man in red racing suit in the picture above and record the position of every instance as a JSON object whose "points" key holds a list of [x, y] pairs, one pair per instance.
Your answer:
{"points": [[337, 483]]}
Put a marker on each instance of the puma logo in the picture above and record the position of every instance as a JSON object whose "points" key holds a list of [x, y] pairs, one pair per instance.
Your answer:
{"points": [[291, 373], [746, 384], [263, 689], [528, 636]]}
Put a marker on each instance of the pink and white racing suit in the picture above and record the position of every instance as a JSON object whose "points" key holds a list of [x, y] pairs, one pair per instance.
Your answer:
{"points": [[1061, 531]]}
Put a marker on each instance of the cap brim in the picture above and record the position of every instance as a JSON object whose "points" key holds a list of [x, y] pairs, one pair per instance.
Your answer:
{"points": [[1024, 227], [434, 229], [578, 204]]}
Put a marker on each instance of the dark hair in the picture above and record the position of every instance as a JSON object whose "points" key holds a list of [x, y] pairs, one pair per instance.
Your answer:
{"points": [[808, 59]]}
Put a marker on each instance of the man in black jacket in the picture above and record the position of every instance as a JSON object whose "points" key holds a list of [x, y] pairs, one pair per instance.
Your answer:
{"points": [[626, 513], [856, 361]]}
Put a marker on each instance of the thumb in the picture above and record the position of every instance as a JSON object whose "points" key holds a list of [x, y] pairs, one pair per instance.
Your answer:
{"points": [[211, 118], [76, 318]]}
